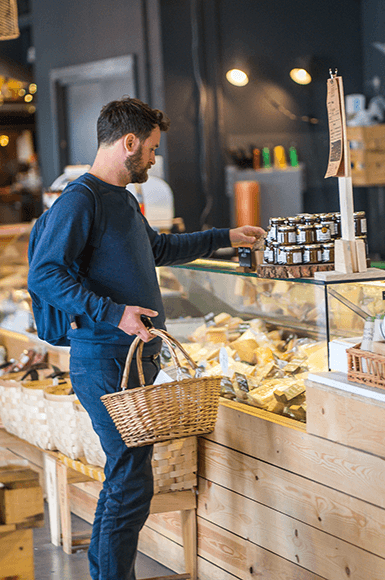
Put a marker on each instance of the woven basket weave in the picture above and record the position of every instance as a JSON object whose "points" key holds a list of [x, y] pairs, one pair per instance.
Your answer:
{"points": [[366, 367], [149, 414], [10, 407]]}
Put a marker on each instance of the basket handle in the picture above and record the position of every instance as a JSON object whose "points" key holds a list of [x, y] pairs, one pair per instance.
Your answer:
{"points": [[138, 344]]}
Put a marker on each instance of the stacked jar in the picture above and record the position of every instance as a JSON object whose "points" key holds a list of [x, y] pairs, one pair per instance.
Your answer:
{"points": [[307, 238]]}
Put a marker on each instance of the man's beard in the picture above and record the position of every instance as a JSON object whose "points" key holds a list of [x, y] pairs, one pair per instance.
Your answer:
{"points": [[133, 164]]}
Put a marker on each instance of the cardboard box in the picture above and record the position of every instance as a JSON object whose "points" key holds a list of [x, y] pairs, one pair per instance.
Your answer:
{"points": [[16, 555], [367, 155], [21, 497]]}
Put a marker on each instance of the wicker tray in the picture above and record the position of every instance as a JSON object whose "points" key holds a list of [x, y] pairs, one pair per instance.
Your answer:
{"points": [[374, 373]]}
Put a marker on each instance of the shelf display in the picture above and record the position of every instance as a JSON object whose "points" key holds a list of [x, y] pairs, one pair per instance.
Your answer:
{"points": [[264, 335]]}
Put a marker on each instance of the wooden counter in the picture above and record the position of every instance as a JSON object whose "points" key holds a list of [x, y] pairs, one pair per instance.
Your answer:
{"points": [[278, 499], [277, 502]]}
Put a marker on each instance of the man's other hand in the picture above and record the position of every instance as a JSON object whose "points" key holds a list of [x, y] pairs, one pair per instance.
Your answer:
{"points": [[245, 236], [130, 322]]}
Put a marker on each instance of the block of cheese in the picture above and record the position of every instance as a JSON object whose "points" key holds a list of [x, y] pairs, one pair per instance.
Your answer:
{"points": [[222, 319]]}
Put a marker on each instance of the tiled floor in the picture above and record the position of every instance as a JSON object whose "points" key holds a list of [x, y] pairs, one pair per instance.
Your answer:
{"points": [[51, 563]]}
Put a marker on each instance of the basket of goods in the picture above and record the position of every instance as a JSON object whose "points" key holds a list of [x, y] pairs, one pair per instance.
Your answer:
{"points": [[12, 373], [366, 367], [88, 438], [174, 463], [10, 401], [62, 419], [182, 408], [34, 411]]}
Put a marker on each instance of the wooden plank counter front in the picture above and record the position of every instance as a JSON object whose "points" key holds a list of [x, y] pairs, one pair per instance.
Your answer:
{"points": [[279, 503]]}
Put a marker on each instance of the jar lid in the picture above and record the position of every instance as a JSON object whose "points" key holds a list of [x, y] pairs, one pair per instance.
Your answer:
{"points": [[326, 216], [286, 228], [359, 214], [328, 245], [276, 219], [292, 248], [294, 218], [312, 246], [305, 226]]}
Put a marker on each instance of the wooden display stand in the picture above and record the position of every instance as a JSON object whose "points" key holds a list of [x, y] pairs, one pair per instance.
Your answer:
{"points": [[350, 254], [69, 491], [59, 479]]}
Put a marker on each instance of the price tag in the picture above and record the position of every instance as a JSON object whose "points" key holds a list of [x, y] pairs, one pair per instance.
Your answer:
{"points": [[224, 360], [336, 135]]}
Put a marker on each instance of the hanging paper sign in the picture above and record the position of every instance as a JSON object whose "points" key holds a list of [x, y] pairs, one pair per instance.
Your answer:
{"points": [[336, 134]]}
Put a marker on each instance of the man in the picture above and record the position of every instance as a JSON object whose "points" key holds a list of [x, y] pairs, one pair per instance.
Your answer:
{"points": [[120, 286]]}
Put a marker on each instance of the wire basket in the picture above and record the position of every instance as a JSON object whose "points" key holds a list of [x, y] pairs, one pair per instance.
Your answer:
{"points": [[153, 413], [366, 367]]}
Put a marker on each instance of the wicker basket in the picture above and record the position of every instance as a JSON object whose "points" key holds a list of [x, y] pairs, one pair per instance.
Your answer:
{"points": [[34, 412], [149, 414], [174, 463], [374, 373], [88, 438], [62, 423], [10, 407]]}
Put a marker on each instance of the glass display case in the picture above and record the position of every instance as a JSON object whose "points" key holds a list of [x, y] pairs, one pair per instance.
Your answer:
{"points": [[264, 335]]}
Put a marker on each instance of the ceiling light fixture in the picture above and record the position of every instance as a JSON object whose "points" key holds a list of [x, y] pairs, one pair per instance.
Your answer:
{"points": [[237, 77], [300, 76]]}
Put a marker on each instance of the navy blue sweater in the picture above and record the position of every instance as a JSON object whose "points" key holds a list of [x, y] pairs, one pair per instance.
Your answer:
{"points": [[121, 271]]}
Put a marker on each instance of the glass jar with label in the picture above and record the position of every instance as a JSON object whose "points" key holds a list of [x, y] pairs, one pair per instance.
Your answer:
{"points": [[322, 233], [290, 255], [360, 225], [276, 246], [305, 234], [328, 253], [312, 254], [268, 254], [287, 235], [327, 219], [337, 228], [274, 223]]}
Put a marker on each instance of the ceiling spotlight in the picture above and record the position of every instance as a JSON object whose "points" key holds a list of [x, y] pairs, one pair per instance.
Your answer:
{"points": [[237, 77], [300, 76]]}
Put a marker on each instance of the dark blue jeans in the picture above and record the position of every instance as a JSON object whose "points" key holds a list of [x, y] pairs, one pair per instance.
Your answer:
{"points": [[124, 501]]}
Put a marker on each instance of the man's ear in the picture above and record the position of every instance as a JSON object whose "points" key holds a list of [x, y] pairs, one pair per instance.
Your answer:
{"points": [[131, 143]]}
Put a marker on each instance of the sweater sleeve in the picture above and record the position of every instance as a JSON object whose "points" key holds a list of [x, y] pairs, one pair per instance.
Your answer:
{"points": [[171, 249], [64, 238]]}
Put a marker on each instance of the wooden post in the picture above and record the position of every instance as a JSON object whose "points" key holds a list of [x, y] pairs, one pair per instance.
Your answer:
{"points": [[52, 497]]}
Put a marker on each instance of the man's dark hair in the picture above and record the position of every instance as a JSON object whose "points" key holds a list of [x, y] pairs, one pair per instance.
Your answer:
{"points": [[127, 115]]}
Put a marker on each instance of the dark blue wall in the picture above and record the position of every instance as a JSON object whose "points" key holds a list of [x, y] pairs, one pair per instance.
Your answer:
{"points": [[71, 32], [373, 27], [266, 37]]}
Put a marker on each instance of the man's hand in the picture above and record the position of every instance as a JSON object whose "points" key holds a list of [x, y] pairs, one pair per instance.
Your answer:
{"points": [[130, 322], [245, 236]]}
